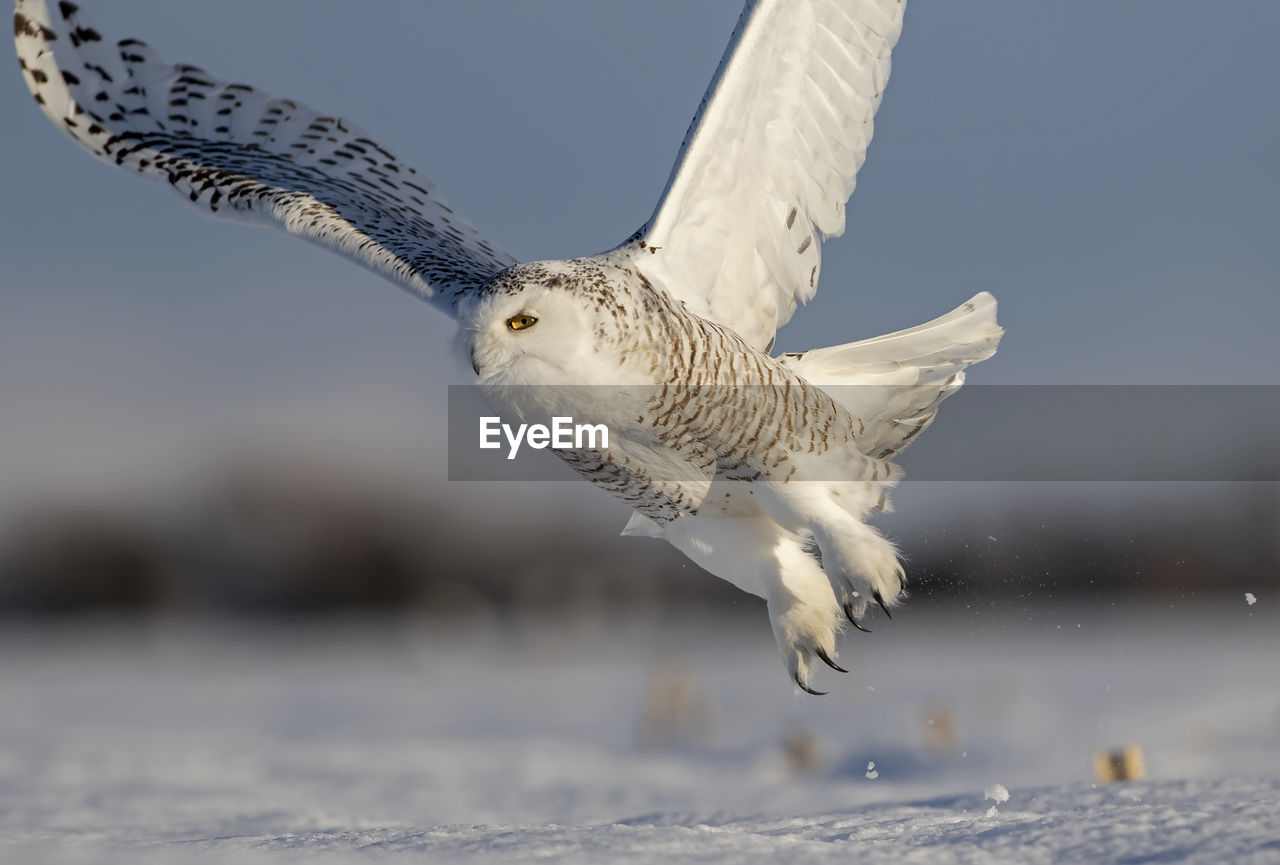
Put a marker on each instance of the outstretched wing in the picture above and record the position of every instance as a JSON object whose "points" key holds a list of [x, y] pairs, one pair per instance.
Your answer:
{"points": [[235, 151], [770, 160]]}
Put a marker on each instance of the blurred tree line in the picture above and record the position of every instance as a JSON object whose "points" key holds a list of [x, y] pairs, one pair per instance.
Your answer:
{"points": [[296, 540]]}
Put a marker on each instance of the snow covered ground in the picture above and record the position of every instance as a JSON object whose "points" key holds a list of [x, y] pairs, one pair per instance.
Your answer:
{"points": [[639, 740]]}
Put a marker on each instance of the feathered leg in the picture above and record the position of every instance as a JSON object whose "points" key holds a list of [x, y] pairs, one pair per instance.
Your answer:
{"points": [[860, 563], [759, 556]]}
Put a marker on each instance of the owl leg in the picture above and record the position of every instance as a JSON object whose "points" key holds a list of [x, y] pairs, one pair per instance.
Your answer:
{"points": [[758, 556], [861, 564], [805, 617]]}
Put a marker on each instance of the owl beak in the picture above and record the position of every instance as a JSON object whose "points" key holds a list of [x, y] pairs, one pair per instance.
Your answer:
{"points": [[474, 364]]}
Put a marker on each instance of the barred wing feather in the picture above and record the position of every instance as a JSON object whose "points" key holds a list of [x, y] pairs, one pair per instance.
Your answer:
{"points": [[235, 151]]}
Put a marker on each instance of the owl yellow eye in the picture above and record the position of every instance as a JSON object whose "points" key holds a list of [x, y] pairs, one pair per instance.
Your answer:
{"points": [[520, 322]]}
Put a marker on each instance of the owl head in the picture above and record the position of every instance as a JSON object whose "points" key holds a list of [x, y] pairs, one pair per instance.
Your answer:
{"points": [[541, 323]]}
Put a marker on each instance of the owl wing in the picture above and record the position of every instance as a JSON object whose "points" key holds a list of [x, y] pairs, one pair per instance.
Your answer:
{"points": [[235, 151], [769, 161]]}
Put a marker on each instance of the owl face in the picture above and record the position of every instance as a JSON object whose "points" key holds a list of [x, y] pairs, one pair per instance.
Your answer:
{"points": [[527, 329]]}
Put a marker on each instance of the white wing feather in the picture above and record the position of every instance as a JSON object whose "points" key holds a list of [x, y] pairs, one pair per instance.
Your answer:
{"points": [[769, 161], [235, 151]]}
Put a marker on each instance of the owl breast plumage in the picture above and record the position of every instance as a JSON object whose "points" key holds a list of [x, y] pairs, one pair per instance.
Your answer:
{"points": [[686, 400]]}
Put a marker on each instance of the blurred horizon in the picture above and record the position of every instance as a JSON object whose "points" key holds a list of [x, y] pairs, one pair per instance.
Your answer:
{"points": [[281, 536]]}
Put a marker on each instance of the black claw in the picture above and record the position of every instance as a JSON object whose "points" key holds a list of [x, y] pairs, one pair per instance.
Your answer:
{"points": [[807, 689], [848, 614], [880, 600], [826, 659]]}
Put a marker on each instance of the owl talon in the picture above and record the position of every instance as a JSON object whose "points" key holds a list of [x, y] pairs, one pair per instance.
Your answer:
{"points": [[848, 614], [880, 600], [826, 659], [808, 690]]}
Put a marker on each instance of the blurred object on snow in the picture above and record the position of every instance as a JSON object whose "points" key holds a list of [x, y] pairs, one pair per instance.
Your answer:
{"points": [[1119, 764], [676, 710], [801, 749], [940, 737]]}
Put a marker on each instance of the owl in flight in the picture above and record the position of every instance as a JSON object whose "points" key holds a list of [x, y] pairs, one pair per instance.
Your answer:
{"points": [[762, 469]]}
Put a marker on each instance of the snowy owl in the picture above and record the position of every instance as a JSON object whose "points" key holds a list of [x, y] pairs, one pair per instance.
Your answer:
{"points": [[762, 469]]}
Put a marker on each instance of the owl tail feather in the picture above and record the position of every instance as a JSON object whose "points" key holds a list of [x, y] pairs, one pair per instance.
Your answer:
{"points": [[894, 383]]}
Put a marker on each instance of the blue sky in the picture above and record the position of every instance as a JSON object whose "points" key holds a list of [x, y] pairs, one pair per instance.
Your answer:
{"points": [[1107, 169]]}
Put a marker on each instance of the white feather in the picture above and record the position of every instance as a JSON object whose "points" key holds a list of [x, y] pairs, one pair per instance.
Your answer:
{"points": [[769, 161]]}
